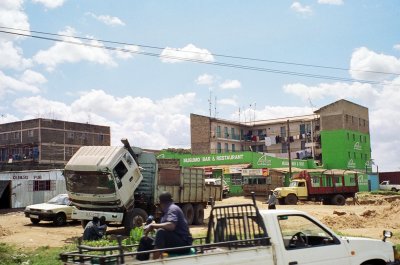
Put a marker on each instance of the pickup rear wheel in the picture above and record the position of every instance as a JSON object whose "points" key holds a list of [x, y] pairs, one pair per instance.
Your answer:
{"points": [[394, 189], [291, 199], [198, 214], [339, 199], [188, 212], [60, 219]]}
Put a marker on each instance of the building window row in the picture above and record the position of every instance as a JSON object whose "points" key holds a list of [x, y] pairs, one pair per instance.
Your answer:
{"points": [[360, 138], [354, 120]]}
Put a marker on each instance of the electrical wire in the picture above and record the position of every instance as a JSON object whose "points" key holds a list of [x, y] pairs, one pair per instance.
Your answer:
{"points": [[213, 54], [237, 66]]}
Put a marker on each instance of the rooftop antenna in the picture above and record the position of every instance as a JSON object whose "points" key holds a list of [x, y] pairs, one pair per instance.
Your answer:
{"points": [[210, 102], [311, 104], [215, 107]]}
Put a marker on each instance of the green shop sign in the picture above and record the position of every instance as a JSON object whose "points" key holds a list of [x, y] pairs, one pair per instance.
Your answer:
{"points": [[257, 160]]}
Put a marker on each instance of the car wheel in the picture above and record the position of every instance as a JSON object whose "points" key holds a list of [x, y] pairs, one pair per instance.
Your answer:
{"points": [[60, 219], [35, 221], [291, 199]]}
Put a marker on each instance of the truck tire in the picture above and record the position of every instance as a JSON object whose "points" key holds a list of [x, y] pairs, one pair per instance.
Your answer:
{"points": [[394, 189], [188, 212], [198, 214], [135, 217], [84, 223], [338, 199], [291, 199]]}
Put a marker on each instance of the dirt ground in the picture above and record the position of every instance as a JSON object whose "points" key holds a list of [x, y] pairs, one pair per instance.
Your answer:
{"points": [[373, 215]]}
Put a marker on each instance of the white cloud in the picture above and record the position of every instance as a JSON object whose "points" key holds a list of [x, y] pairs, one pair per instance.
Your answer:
{"points": [[396, 47], [299, 8], [145, 122], [367, 60], [12, 85], [50, 3], [12, 57], [127, 51], [189, 52], [107, 19], [62, 52], [230, 84], [228, 102], [336, 90], [12, 15], [331, 2], [205, 79]]}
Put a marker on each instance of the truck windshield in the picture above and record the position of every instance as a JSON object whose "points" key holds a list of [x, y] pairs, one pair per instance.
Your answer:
{"points": [[293, 184], [89, 182]]}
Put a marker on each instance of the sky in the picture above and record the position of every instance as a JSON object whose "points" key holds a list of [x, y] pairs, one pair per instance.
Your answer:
{"points": [[141, 67]]}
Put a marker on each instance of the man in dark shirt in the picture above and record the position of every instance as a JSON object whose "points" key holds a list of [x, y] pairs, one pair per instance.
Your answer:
{"points": [[173, 229], [92, 230]]}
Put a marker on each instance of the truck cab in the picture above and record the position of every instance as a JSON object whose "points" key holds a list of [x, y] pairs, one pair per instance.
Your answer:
{"points": [[297, 189]]}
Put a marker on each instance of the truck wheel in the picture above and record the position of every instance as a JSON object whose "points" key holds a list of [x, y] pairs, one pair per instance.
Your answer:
{"points": [[60, 219], [35, 221], [188, 212], [198, 214], [338, 199], [84, 223], [291, 199], [394, 189], [134, 218]]}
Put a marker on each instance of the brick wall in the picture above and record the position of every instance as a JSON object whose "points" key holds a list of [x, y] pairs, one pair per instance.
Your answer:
{"points": [[200, 134]]}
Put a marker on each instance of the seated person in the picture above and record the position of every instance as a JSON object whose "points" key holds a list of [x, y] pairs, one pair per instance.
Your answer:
{"points": [[92, 230], [172, 231]]}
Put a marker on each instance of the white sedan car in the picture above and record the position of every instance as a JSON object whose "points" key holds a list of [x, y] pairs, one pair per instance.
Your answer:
{"points": [[57, 210]]}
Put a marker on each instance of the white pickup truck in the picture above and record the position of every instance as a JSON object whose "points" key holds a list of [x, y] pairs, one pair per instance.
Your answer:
{"points": [[385, 185], [240, 234]]}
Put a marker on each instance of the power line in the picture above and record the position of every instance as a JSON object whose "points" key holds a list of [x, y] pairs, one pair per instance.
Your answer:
{"points": [[213, 54], [237, 66]]}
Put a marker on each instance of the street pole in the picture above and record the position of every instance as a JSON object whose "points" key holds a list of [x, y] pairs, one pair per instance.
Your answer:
{"points": [[288, 145]]}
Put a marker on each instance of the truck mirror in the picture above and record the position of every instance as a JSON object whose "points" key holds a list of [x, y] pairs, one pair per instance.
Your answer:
{"points": [[386, 234]]}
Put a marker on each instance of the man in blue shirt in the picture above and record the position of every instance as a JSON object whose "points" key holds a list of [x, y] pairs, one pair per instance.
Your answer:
{"points": [[173, 229]]}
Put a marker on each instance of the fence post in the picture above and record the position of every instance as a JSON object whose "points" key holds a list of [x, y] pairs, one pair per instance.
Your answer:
{"points": [[121, 250]]}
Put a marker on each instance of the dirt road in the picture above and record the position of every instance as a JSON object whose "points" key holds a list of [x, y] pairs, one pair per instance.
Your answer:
{"points": [[368, 219]]}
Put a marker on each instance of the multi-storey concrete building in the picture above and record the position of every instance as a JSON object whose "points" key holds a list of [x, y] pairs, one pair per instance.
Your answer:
{"points": [[336, 135], [45, 141]]}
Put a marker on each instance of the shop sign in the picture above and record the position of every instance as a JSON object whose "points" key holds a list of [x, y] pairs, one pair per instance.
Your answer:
{"points": [[232, 170], [264, 161], [255, 172], [213, 158], [26, 177], [294, 163]]}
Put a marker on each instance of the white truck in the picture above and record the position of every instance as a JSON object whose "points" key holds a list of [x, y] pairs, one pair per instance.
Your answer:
{"points": [[385, 185], [123, 185], [240, 234]]}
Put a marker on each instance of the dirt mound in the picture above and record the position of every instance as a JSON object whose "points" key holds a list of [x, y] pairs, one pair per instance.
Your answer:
{"points": [[344, 221], [4, 231]]}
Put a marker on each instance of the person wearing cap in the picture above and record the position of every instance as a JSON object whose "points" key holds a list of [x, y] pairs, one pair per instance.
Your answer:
{"points": [[173, 229]]}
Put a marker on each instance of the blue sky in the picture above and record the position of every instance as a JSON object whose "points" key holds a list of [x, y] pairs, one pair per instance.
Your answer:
{"points": [[149, 99]]}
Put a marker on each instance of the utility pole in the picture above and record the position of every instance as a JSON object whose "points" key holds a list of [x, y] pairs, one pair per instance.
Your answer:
{"points": [[288, 146]]}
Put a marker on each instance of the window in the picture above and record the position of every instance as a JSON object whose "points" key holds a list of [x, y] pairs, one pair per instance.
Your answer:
{"points": [[120, 170], [364, 123], [16, 135], [354, 155], [226, 134], [233, 148], [219, 148], [70, 135], [347, 118], [233, 136], [284, 148], [30, 133], [299, 232], [283, 131], [349, 154], [101, 138], [218, 131], [360, 139], [348, 136], [226, 148], [365, 139], [354, 137], [260, 148], [41, 185], [302, 129], [352, 119], [237, 179]]}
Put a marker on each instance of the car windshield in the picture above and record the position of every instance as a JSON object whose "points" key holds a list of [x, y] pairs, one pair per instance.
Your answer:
{"points": [[61, 199], [89, 182]]}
